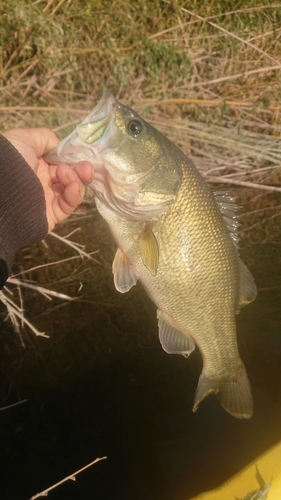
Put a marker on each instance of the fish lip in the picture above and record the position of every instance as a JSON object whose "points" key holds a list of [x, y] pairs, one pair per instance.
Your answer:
{"points": [[106, 101], [104, 107], [66, 151]]}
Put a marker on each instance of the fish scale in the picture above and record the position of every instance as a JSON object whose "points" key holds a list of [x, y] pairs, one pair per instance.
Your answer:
{"points": [[175, 236], [212, 287]]}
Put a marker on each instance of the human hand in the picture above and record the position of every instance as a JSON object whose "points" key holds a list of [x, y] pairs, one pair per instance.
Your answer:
{"points": [[63, 186]]}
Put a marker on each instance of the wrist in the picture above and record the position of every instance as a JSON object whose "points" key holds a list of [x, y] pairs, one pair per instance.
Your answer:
{"points": [[22, 203]]}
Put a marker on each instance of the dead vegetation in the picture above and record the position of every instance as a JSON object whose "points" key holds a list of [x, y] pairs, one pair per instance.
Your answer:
{"points": [[200, 66], [214, 71], [206, 74]]}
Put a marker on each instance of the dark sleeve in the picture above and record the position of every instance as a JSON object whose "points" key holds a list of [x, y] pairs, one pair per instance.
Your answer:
{"points": [[23, 217]]}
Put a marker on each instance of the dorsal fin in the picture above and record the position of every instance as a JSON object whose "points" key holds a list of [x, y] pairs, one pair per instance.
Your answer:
{"points": [[228, 209], [247, 289]]}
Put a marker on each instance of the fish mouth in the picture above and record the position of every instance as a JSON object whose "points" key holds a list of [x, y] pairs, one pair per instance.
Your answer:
{"points": [[93, 130]]}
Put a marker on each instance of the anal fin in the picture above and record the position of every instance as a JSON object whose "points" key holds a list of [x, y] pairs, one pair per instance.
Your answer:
{"points": [[172, 340]]}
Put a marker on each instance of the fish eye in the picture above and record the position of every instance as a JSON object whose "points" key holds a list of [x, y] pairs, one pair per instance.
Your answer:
{"points": [[134, 127]]}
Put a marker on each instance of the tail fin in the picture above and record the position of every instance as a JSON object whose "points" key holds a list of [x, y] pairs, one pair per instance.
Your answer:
{"points": [[233, 393]]}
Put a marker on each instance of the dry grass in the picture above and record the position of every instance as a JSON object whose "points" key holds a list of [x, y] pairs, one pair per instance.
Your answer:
{"points": [[65, 57], [72, 477], [211, 68], [16, 312], [207, 74]]}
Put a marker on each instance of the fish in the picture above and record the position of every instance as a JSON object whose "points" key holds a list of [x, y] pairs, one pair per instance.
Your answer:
{"points": [[176, 236]]}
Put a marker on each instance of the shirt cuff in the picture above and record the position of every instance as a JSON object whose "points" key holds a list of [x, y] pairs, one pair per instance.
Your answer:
{"points": [[23, 218]]}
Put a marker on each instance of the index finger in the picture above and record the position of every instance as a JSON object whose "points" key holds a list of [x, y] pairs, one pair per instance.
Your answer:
{"points": [[40, 139]]}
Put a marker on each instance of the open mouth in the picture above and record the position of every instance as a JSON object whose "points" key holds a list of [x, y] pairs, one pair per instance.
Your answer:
{"points": [[93, 130]]}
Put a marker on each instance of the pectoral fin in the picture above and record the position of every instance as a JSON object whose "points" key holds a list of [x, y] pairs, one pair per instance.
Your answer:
{"points": [[172, 340], [124, 275], [149, 250]]}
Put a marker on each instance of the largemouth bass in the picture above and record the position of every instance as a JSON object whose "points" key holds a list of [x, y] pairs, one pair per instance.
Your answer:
{"points": [[175, 236]]}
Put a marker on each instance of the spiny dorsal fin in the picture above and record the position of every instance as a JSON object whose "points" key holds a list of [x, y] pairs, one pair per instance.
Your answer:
{"points": [[124, 275], [228, 209], [149, 249]]}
